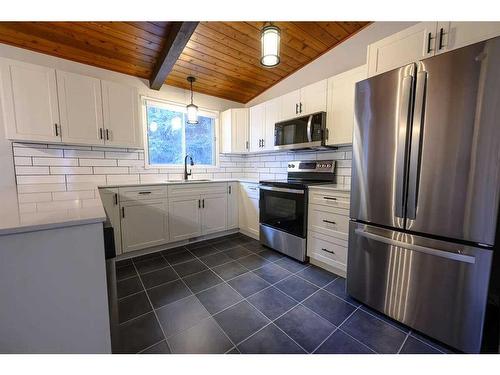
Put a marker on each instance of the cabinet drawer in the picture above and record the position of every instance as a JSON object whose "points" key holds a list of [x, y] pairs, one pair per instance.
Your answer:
{"points": [[142, 192], [192, 189], [327, 249], [330, 198], [249, 189], [328, 220]]}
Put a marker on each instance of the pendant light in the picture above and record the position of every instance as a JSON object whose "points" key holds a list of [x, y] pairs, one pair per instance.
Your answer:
{"points": [[192, 110], [270, 45]]}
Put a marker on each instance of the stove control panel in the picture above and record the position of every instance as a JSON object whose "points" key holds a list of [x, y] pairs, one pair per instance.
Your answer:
{"points": [[324, 166]]}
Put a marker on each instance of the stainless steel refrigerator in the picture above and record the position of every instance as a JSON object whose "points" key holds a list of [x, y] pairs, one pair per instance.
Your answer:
{"points": [[425, 192]]}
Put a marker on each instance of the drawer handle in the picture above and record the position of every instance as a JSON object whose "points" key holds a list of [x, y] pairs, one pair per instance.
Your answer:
{"points": [[330, 198], [252, 188], [329, 222], [144, 192], [328, 251]]}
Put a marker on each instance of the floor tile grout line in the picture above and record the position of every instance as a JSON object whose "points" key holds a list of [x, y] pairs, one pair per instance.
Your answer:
{"points": [[426, 343], [357, 340], [149, 347], [382, 320], [154, 312], [209, 316], [403, 343]]}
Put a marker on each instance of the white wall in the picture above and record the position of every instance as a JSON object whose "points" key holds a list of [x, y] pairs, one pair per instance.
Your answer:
{"points": [[347, 55]]}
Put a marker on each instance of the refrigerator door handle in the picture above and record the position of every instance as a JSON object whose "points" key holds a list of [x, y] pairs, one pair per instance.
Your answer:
{"points": [[404, 116], [416, 132], [421, 249]]}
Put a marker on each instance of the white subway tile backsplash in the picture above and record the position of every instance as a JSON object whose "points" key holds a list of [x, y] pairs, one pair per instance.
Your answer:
{"points": [[122, 155], [98, 162], [69, 195], [40, 188], [31, 170], [41, 152], [23, 180], [122, 179], [57, 205], [76, 171], [68, 162], [70, 170], [83, 154], [23, 160]]}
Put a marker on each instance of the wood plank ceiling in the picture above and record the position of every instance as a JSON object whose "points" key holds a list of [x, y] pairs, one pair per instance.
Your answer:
{"points": [[223, 56]]}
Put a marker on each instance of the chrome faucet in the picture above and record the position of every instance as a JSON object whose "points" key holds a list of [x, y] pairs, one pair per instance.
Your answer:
{"points": [[186, 173]]}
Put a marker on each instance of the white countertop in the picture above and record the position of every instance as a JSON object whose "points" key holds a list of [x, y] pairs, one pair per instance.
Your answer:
{"points": [[335, 187], [16, 219], [177, 182]]}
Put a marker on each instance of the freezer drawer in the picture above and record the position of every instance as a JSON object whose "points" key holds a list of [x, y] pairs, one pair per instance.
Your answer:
{"points": [[436, 287]]}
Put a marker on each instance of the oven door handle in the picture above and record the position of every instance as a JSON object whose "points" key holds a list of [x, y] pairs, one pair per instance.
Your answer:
{"points": [[282, 190], [309, 128]]}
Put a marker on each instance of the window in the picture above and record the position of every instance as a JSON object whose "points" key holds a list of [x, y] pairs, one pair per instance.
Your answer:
{"points": [[170, 137]]}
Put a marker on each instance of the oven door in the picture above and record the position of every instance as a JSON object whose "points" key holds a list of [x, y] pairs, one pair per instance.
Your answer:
{"points": [[283, 209], [300, 133]]}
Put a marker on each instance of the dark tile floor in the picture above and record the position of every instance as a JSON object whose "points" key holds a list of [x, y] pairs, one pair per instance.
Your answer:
{"points": [[231, 295]]}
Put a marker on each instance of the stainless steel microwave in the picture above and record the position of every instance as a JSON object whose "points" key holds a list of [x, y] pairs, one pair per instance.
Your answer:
{"points": [[306, 132]]}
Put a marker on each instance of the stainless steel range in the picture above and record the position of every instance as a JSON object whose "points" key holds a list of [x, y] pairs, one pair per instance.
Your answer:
{"points": [[283, 206]]}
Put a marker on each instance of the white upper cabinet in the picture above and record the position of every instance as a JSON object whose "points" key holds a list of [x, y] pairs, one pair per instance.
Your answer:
{"points": [[234, 131], [313, 98], [257, 124], [412, 44], [290, 105], [453, 35], [272, 116], [80, 106], [307, 100], [426, 39], [120, 110], [29, 102], [340, 115]]}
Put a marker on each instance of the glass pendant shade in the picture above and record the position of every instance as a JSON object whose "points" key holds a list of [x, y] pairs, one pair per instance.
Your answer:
{"points": [[270, 46], [192, 114], [192, 110]]}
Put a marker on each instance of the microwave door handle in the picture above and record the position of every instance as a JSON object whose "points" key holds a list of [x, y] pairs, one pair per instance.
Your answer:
{"points": [[416, 134], [309, 128], [401, 154]]}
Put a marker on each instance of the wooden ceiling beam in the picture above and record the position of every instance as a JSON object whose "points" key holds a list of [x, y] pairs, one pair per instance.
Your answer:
{"points": [[177, 38]]}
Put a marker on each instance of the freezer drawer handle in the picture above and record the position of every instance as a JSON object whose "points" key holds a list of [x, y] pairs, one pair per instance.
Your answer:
{"points": [[330, 198], [422, 249], [144, 192], [329, 222], [328, 251]]}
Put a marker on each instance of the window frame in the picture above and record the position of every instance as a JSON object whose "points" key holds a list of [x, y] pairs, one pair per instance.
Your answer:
{"points": [[180, 107]]}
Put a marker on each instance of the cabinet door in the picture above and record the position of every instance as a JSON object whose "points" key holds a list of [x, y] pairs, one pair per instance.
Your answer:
{"points": [[412, 44], [109, 198], [232, 205], [80, 107], [453, 35], [290, 105], [340, 109], [257, 118], [313, 98], [272, 116], [249, 215], [213, 213], [225, 132], [120, 110], [29, 102], [239, 130], [144, 224], [184, 218]]}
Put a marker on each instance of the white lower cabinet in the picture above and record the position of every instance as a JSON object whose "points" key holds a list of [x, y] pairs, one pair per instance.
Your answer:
{"points": [[249, 209], [328, 227], [144, 224], [232, 205], [213, 213], [109, 198], [184, 218]]}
